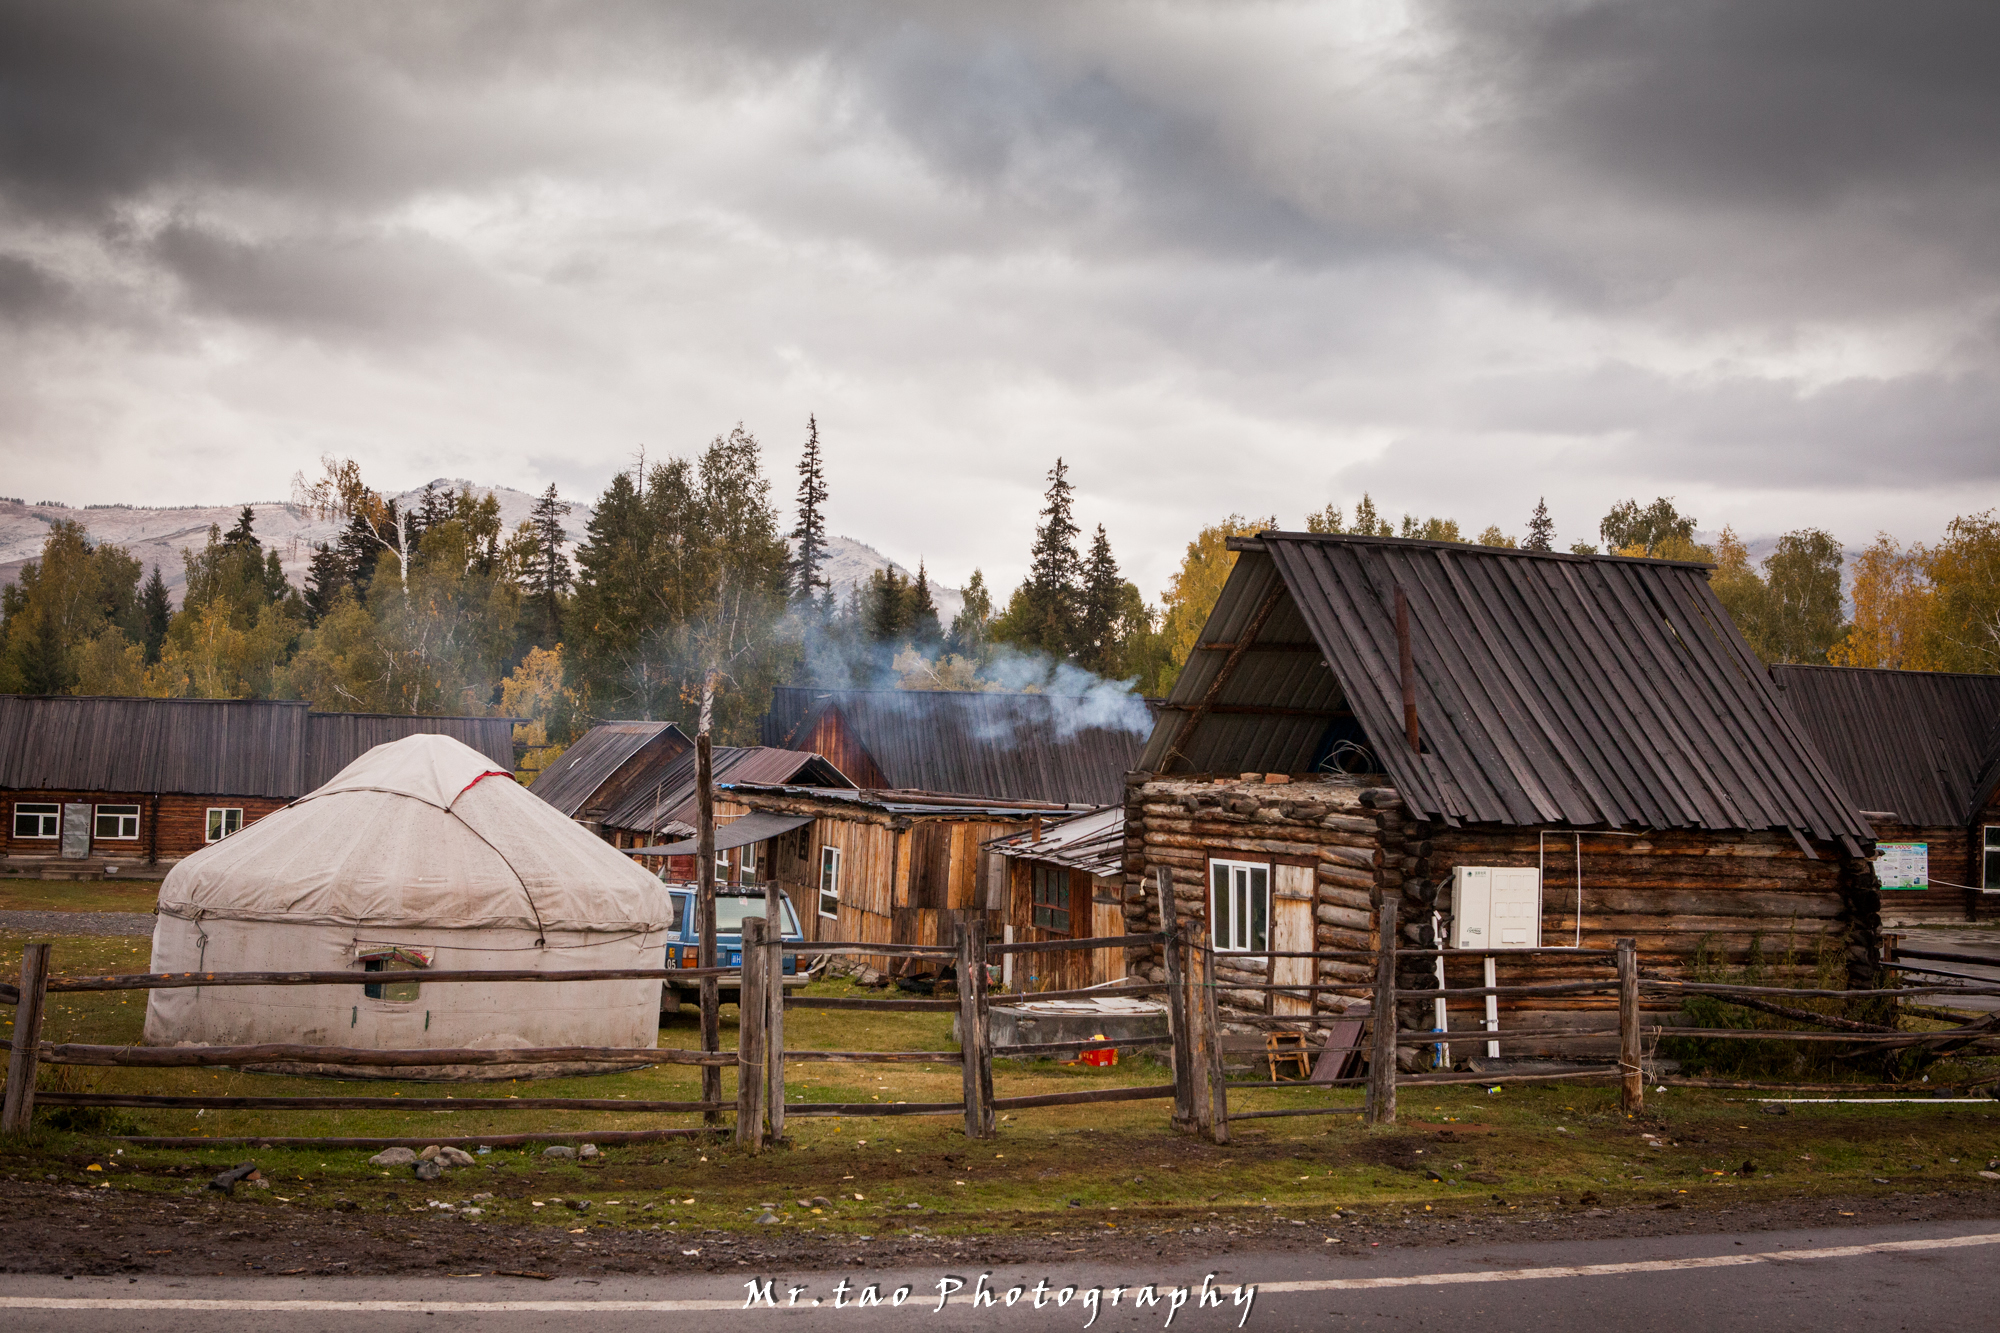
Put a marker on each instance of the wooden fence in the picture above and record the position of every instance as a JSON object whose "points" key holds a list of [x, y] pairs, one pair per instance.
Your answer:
{"points": [[1200, 1086]]}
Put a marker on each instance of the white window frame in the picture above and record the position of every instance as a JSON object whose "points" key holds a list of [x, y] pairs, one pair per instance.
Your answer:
{"points": [[829, 881], [1989, 849], [227, 825], [125, 821], [1231, 928], [46, 816]]}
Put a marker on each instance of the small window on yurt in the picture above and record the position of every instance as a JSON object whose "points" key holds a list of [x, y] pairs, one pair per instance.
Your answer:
{"points": [[392, 958]]}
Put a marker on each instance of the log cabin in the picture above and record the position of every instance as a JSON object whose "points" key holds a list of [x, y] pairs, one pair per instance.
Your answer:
{"points": [[886, 867], [1065, 881], [1918, 751], [609, 766], [1576, 748], [1065, 749], [110, 786]]}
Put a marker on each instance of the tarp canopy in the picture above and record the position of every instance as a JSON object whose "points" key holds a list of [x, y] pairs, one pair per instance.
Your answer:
{"points": [[753, 827], [421, 832]]}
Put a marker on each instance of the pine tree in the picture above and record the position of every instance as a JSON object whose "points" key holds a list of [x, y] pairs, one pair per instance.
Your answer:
{"points": [[243, 535], [326, 577], [970, 627], [1541, 528], [549, 575], [1049, 610], [808, 565], [157, 612], [889, 606], [924, 625], [1098, 637], [357, 549]]}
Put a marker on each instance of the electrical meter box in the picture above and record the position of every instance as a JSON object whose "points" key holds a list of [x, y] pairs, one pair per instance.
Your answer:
{"points": [[1496, 907]]}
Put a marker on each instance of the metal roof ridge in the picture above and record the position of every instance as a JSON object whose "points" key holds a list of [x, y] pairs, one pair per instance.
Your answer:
{"points": [[1464, 548]]}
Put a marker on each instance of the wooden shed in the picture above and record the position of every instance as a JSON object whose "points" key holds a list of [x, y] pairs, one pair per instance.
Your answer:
{"points": [[1065, 881], [889, 867], [1372, 717], [96, 786], [610, 766], [1919, 752], [666, 811]]}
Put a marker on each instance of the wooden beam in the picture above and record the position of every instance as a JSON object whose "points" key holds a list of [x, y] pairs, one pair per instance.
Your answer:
{"points": [[1223, 645], [1228, 668]]}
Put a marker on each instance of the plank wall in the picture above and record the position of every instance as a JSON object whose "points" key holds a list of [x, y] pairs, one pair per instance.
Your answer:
{"points": [[170, 827]]}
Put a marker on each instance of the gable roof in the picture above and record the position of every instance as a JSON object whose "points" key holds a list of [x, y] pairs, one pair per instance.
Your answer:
{"points": [[211, 747], [602, 754], [1068, 749], [1551, 689], [667, 804], [1911, 744]]}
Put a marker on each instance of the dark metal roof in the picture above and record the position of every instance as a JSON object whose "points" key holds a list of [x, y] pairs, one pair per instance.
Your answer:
{"points": [[1551, 689], [583, 768], [1911, 743], [668, 803], [214, 747], [907, 802], [1070, 749]]}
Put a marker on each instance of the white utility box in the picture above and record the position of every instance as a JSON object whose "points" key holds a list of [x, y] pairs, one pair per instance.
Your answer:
{"points": [[1496, 907]]}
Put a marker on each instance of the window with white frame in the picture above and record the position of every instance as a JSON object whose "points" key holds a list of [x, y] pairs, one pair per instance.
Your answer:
{"points": [[829, 881], [223, 821], [1239, 905], [1991, 862], [37, 821], [117, 823]]}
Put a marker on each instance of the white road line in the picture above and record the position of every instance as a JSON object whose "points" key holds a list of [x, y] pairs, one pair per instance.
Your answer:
{"points": [[917, 1302]]}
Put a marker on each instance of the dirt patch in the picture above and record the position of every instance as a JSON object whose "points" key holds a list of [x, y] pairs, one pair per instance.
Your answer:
{"points": [[79, 1230]]}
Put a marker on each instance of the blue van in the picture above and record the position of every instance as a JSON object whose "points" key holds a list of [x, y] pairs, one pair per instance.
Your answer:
{"points": [[733, 903]]}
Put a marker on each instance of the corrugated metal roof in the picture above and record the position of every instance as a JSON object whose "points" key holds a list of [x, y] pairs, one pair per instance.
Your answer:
{"points": [[669, 803], [1551, 689], [1909, 742], [1093, 842], [335, 740], [1071, 749], [907, 802], [578, 773], [216, 747]]}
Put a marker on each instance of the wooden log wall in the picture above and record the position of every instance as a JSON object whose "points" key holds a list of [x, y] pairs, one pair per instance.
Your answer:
{"points": [[1352, 848], [1678, 893], [1953, 860]]}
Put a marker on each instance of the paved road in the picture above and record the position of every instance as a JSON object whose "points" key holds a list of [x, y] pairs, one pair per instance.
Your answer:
{"points": [[79, 923], [1967, 940], [1928, 1276]]}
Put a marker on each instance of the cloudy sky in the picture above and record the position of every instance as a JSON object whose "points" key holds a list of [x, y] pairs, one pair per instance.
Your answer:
{"points": [[1242, 256]]}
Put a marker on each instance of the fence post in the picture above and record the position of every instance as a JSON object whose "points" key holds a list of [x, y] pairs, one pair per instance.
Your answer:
{"points": [[1632, 1094], [975, 1041], [1177, 1003], [1206, 1079], [750, 1031], [1382, 1051], [774, 1033], [704, 878], [19, 1109]]}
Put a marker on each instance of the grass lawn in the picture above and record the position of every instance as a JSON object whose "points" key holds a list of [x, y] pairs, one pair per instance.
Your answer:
{"points": [[62, 895], [1115, 1165]]}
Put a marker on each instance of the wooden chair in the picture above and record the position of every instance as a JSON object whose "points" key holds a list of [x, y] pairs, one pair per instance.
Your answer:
{"points": [[1288, 1048]]}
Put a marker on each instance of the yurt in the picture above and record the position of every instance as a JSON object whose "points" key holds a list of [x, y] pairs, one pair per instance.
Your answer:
{"points": [[419, 854]]}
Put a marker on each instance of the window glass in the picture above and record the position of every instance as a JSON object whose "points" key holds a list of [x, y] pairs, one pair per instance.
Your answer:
{"points": [[37, 821], [223, 821], [1992, 878], [680, 902], [829, 881], [393, 958], [117, 821], [1051, 898], [1239, 910]]}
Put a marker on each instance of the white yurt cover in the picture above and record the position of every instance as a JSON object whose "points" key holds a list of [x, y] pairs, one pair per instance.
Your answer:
{"points": [[423, 846]]}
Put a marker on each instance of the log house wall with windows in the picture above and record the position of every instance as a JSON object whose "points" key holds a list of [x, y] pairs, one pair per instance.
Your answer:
{"points": [[147, 779], [1415, 707]]}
